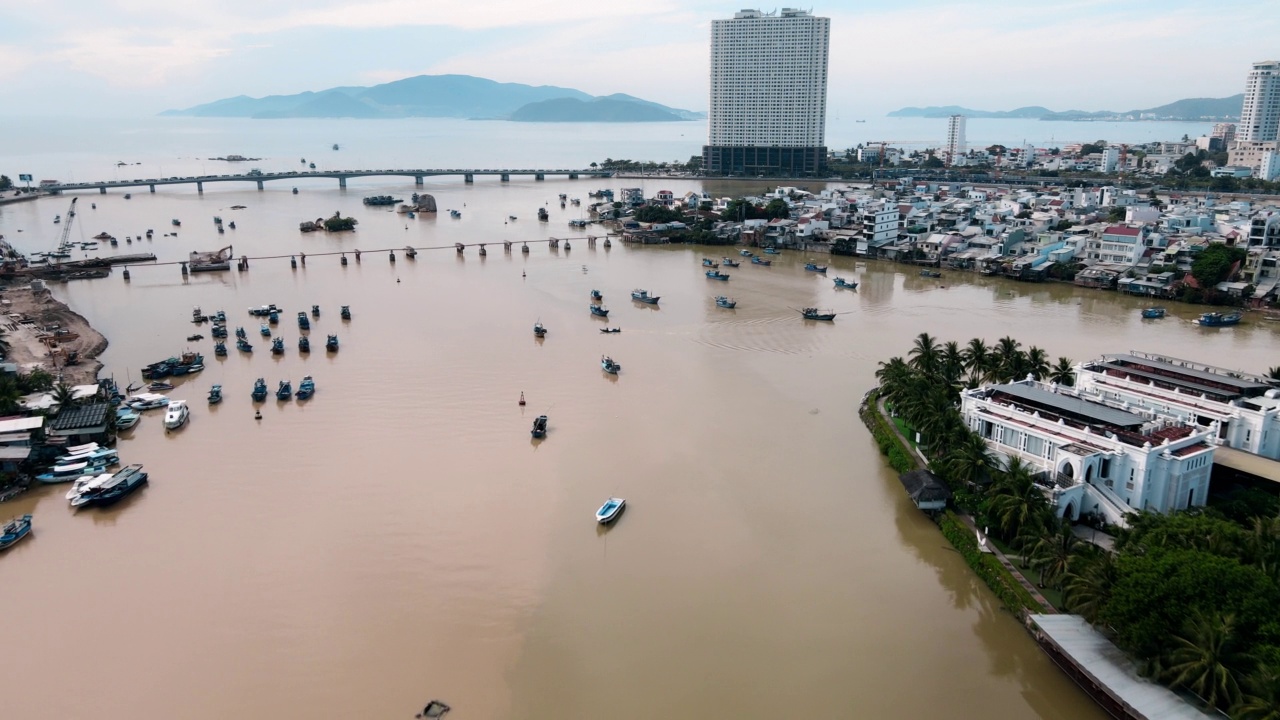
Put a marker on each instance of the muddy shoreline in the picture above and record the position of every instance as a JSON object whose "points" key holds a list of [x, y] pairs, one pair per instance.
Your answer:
{"points": [[43, 332]]}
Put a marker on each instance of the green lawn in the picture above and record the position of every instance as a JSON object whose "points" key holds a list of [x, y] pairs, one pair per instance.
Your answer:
{"points": [[906, 430]]}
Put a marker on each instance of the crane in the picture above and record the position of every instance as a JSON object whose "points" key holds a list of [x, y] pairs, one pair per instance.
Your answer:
{"points": [[66, 228]]}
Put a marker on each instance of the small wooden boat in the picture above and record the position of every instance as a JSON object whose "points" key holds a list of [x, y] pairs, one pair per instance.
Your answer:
{"points": [[608, 365], [772, 251], [726, 303], [729, 262], [259, 390], [716, 275], [930, 273], [760, 261], [841, 283], [277, 346], [813, 267], [331, 344], [644, 297], [816, 314], [539, 427], [1153, 313], [610, 510], [160, 385], [1217, 319], [14, 530], [746, 253], [215, 394], [596, 295], [708, 262], [610, 331], [285, 390], [539, 329], [306, 388], [304, 344], [345, 312], [176, 222], [599, 311]]}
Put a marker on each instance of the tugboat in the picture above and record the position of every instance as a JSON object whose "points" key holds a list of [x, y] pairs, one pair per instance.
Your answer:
{"points": [[215, 394], [716, 275], [259, 390], [304, 344], [842, 284], [608, 365], [277, 346], [539, 427], [285, 391], [331, 344], [599, 311], [346, 312], [726, 303], [816, 314], [539, 329], [304, 323], [306, 388], [644, 297], [813, 267]]}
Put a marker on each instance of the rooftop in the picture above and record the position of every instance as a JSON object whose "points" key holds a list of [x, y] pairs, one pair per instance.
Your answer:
{"points": [[1036, 398], [81, 416], [1193, 377]]}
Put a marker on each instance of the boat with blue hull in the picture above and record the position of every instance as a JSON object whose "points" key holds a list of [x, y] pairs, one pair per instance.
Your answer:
{"points": [[277, 346], [127, 481], [597, 295], [643, 296], [304, 323], [729, 262], [215, 394], [243, 345], [304, 344], [126, 418], [760, 261], [273, 317], [240, 333], [608, 365], [1153, 313], [105, 456], [610, 510], [708, 262], [285, 390], [930, 274], [1217, 319], [306, 388], [599, 310], [726, 303], [14, 530], [73, 471], [813, 267], [259, 390], [843, 284], [816, 314], [716, 275], [265, 330], [539, 430], [220, 349], [772, 251], [331, 344], [345, 312]]}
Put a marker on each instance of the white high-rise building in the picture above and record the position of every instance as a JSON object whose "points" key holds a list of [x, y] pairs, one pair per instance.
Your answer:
{"points": [[768, 108], [1259, 130], [955, 138]]}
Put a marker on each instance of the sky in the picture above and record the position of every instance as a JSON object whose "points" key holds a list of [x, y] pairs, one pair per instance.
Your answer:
{"points": [[140, 57]]}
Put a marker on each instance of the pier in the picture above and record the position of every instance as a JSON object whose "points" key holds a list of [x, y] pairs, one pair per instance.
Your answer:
{"points": [[260, 178]]}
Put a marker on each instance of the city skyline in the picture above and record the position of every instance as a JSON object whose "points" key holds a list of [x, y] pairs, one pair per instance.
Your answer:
{"points": [[131, 57]]}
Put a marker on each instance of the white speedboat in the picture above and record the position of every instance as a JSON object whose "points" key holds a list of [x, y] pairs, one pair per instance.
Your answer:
{"points": [[107, 456], [610, 510], [67, 473], [177, 415], [87, 484], [148, 401], [105, 484]]}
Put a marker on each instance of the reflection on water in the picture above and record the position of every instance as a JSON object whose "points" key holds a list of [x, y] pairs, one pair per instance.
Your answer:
{"points": [[398, 537]]}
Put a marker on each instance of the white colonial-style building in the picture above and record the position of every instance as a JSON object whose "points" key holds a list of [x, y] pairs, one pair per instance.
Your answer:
{"points": [[1094, 457]]}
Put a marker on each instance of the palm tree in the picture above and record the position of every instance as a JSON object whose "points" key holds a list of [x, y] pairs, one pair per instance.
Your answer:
{"points": [[1274, 373], [10, 394], [1202, 660], [970, 461], [977, 360], [894, 376], [1053, 554], [1063, 372], [1087, 588], [1037, 362], [63, 395], [1008, 358], [1016, 500], [1262, 698], [924, 354], [951, 360]]}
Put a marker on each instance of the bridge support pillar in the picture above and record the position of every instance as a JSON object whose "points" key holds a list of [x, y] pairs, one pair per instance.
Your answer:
{"points": [[102, 190], [153, 189], [200, 187], [417, 180], [259, 184], [573, 176], [342, 183], [505, 178], [468, 178], [539, 176]]}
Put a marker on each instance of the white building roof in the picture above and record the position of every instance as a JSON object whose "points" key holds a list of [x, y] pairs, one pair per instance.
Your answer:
{"points": [[20, 424]]}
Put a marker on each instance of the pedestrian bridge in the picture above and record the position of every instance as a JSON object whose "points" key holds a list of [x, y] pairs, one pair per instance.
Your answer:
{"points": [[340, 175]]}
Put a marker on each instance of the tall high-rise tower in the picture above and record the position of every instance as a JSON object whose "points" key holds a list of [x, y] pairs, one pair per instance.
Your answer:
{"points": [[1259, 130], [955, 138], [768, 94]]}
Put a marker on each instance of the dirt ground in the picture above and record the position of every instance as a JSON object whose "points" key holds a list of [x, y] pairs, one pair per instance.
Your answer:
{"points": [[26, 314]]}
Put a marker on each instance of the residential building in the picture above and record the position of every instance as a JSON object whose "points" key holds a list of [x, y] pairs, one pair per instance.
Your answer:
{"points": [[955, 139], [768, 106], [1269, 164], [880, 223], [1110, 158], [1226, 132], [1093, 458], [1242, 410], [1117, 245], [1259, 129]]}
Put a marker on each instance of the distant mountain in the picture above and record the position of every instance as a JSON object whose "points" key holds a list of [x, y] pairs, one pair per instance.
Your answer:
{"points": [[451, 96], [1227, 108]]}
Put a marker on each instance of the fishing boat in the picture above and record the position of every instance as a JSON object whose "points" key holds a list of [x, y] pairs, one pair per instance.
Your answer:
{"points": [[215, 394], [243, 345], [219, 331], [85, 485], [760, 261], [304, 323], [729, 262], [1153, 313], [331, 344], [746, 253], [259, 390], [726, 303], [540, 427], [716, 275], [14, 530], [265, 329], [126, 418], [97, 455], [147, 401], [608, 365], [542, 214], [1216, 319], [177, 414], [120, 485], [273, 318], [610, 331], [841, 283], [264, 311], [596, 295], [599, 311], [644, 297], [816, 314], [176, 222], [708, 262], [240, 333], [772, 251], [277, 346], [304, 344], [315, 311], [539, 329], [813, 267], [610, 510], [346, 312], [455, 214], [285, 390], [195, 338], [160, 385], [930, 273], [220, 349], [306, 388], [72, 471]]}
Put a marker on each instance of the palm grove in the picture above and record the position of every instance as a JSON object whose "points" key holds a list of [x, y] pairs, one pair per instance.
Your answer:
{"points": [[1191, 595]]}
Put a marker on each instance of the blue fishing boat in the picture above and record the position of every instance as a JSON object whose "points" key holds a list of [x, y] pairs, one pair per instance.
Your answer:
{"points": [[1153, 313], [745, 253], [285, 390], [813, 267], [772, 251], [220, 349], [304, 323], [215, 394], [315, 311], [760, 261], [596, 295], [716, 275], [90, 454], [841, 283], [304, 345], [125, 482], [219, 331], [277, 346], [346, 312], [610, 510], [610, 331], [126, 418], [608, 365], [265, 330], [644, 297], [539, 329], [729, 262], [72, 471], [930, 273], [220, 316], [331, 344], [599, 311], [243, 345], [14, 530], [539, 427], [816, 314], [240, 332], [726, 303], [274, 317], [306, 388], [1217, 319], [708, 262], [259, 390]]}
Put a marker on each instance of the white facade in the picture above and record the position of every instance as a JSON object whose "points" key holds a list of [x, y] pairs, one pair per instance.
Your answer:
{"points": [[1094, 458], [1110, 157], [1260, 116], [880, 223], [955, 139], [769, 79], [1269, 166]]}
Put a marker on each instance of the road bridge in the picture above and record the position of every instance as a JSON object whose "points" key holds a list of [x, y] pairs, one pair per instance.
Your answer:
{"points": [[260, 178]]}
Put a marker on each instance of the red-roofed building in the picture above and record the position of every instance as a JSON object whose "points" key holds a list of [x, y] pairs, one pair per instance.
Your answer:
{"points": [[1118, 245]]}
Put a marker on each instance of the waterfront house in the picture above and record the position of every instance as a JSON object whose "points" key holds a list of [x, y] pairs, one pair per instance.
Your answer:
{"points": [[81, 424], [926, 490]]}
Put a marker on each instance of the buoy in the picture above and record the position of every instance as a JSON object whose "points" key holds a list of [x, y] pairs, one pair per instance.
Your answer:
{"points": [[393, 255], [344, 259], [522, 397], [126, 273], [293, 262]]}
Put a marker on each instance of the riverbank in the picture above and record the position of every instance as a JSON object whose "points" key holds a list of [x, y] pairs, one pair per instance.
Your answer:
{"points": [[33, 319]]}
